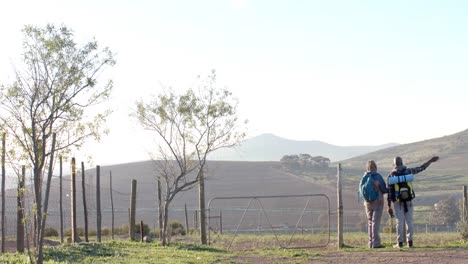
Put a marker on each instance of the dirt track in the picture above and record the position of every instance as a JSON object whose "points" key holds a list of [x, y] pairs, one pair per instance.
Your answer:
{"points": [[436, 256], [410, 256]]}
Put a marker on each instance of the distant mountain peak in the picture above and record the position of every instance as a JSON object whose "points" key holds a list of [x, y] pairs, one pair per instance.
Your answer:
{"points": [[270, 147]]}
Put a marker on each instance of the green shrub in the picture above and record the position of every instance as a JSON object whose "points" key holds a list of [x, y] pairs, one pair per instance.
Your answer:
{"points": [[176, 228], [80, 232], [154, 234], [49, 232], [462, 228], [106, 232], [193, 231], [123, 230], [146, 229]]}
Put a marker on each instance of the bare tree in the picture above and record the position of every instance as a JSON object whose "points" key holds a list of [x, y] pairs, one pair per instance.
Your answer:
{"points": [[190, 126], [57, 83]]}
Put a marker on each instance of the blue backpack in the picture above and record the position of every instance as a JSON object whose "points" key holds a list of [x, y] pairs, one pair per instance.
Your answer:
{"points": [[367, 188]]}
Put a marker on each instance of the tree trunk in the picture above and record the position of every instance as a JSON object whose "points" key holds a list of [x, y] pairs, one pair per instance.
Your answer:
{"points": [[85, 209], [3, 191], [201, 194], [160, 214], [37, 204], [61, 201], [164, 232], [46, 202], [20, 216]]}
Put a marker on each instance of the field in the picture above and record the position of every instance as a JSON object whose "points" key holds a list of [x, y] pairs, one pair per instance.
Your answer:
{"points": [[249, 179], [430, 248]]}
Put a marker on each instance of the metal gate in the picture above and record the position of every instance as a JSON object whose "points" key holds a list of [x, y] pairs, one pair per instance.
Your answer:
{"points": [[317, 226]]}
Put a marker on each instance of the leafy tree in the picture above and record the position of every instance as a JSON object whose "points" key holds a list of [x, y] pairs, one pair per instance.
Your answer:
{"points": [[302, 162], [190, 125], [52, 90], [446, 212]]}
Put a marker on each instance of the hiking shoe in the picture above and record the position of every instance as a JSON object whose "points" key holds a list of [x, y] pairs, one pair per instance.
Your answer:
{"points": [[399, 245], [381, 246], [410, 243]]}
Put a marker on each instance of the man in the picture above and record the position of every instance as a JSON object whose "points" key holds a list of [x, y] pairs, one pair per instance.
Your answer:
{"points": [[401, 194]]}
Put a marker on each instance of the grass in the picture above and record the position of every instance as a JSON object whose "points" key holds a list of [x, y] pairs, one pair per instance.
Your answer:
{"points": [[126, 252], [135, 252], [422, 240]]}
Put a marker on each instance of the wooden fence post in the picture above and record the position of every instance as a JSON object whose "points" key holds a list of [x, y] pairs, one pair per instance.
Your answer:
{"points": [[141, 231], [85, 209], [195, 219], [3, 191], [186, 221], [61, 199], [98, 203], [20, 216], [465, 203], [340, 208], [132, 210], [112, 204], [221, 222], [74, 233]]}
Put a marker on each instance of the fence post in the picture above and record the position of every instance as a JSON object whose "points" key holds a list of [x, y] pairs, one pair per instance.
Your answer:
{"points": [[85, 209], [61, 200], [195, 219], [132, 210], [141, 231], [19, 220], [221, 222], [3, 191], [98, 203], [465, 204], [340, 208], [73, 202], [186, 221], [112, 204]]}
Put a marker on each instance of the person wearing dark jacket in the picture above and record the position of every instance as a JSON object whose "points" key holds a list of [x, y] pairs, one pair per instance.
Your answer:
{"points": [[403, 206]]}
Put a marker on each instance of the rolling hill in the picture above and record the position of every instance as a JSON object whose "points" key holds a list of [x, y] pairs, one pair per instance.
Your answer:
{"points": [[447, 175], [452, 149], [268, 147], [243, 178]]}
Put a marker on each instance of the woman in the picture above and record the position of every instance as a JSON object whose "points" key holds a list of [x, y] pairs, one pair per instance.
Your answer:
{"points": [[374, 209]]}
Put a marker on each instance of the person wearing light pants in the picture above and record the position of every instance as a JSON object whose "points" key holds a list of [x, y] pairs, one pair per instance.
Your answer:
{"points": [[403, 210], [404, 219], [374, 209]]}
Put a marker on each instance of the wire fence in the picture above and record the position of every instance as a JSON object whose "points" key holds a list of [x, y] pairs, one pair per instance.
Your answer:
{"points": [[224, 220]]}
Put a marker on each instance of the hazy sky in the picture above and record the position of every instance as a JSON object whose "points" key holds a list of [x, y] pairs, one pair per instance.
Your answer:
{"points": [[342, 72]]}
